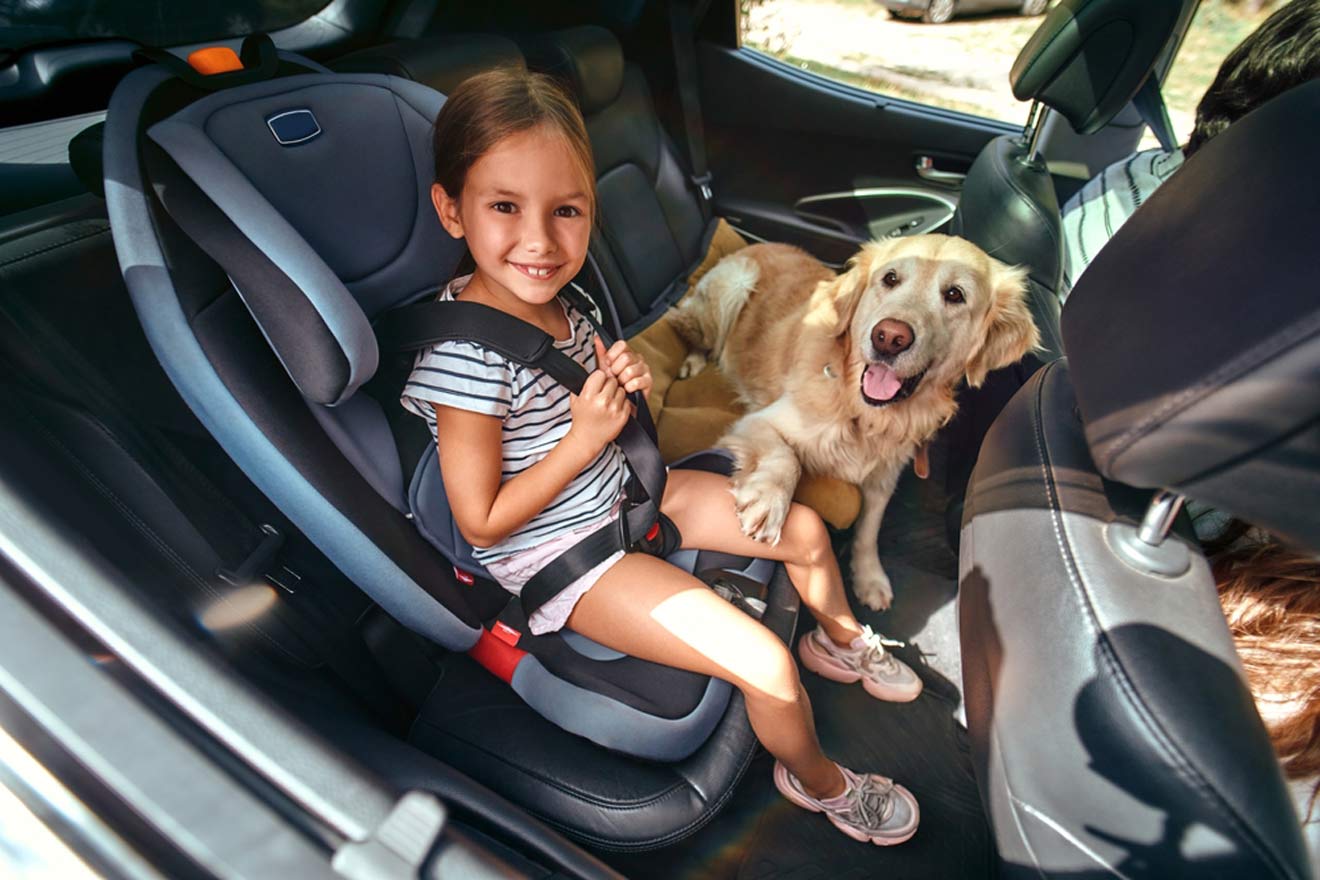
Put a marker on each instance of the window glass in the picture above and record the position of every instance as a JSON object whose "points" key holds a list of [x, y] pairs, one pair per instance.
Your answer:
{"points": [[172, 23], [885, 46], [1217, 27]]}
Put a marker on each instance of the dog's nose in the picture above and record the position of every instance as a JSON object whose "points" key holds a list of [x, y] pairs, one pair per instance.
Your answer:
{"points": [[891, 337]]}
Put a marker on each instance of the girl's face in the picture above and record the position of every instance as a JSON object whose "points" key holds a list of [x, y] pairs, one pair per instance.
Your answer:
{"points": [[524, 211]]}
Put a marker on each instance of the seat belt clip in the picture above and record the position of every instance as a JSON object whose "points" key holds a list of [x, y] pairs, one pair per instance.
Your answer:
{"points": [[702, 183]]}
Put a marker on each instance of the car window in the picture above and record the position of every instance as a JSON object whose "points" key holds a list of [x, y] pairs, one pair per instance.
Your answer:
{"points": [[954, 54], [1217, 27]]}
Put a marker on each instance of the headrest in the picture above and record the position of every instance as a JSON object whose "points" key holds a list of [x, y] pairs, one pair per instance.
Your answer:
{"points": [[441, 62], [1194, 336], [1088, 58], [318, 183], [588, 58]]}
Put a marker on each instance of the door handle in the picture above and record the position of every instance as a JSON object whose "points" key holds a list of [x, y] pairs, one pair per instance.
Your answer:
{"points": [[926, 170]]}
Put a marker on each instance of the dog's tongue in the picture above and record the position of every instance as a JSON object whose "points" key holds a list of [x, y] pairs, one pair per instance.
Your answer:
{"points": [[880, 382]]}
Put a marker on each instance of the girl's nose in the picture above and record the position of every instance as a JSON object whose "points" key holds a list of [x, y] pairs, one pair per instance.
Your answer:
{"points": [[538, 237]]}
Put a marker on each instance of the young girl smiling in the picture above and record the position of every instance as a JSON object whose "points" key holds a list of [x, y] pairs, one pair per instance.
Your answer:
{"points": [[531, 469]]}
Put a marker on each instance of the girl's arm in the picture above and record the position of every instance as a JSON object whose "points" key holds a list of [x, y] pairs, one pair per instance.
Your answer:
{"points": [[470, 445]]}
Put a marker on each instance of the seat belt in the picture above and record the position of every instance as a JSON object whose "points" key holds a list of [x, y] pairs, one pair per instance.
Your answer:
{"points": [[426, 323], [685, 73]]}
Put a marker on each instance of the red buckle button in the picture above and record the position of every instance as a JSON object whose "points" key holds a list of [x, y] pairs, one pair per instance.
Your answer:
{"points": [[505, 633]]}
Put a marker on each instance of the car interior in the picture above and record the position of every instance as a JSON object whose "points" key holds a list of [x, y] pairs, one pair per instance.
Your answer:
{"points": [[202, 432]]}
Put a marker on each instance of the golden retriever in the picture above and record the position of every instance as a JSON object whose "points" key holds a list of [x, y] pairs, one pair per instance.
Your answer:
{"points": [[849, 375]]}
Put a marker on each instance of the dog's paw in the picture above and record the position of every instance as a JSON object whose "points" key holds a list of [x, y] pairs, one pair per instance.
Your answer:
{"points": [[872, 587], [693, 364], [762, 508]]}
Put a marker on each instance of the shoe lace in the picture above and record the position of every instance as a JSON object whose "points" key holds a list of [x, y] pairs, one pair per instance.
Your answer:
{"points": [[877, 656], [869, 800]]}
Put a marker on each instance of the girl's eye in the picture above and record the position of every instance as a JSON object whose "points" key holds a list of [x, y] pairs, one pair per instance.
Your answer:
{"points": [[891, 278], [504, 207], [567, 211], [954, 295]]}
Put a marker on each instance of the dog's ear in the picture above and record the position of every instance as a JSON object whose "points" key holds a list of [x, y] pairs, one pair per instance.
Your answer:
{"points": [[834, 302], [1010, 331]]}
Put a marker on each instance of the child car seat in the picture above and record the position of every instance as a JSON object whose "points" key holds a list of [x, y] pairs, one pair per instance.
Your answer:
{"points": [[263, 218]]}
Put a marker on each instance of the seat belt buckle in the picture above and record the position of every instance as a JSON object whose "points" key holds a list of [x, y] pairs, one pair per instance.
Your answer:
{"points": [[702, 183]]}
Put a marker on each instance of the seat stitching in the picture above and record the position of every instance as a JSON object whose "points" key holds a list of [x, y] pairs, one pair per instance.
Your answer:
{"points": [[18, 258]]}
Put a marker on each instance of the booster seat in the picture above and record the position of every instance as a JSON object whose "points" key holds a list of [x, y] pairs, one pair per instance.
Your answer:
{"points": [[261, 227]]}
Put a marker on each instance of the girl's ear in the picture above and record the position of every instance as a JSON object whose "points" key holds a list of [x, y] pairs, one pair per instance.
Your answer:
{"points": [[447, 210]]}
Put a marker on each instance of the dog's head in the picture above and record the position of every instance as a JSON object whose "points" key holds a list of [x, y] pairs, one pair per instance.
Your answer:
{"points": [[926, 311]]}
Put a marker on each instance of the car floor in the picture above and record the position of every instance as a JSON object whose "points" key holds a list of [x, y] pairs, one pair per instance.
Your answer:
{"points": [[761, 835]]}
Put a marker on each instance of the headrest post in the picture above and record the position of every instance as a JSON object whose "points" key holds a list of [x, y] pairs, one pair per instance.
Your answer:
{"points": [[1159, 517], [1031, 132]]}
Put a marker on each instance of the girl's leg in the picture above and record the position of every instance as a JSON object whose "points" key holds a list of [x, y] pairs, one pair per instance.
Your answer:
{"points": [[649, 609], [700, 504]]}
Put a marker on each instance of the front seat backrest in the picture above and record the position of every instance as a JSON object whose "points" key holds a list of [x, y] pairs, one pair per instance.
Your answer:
{"points": [[1111, 726]]}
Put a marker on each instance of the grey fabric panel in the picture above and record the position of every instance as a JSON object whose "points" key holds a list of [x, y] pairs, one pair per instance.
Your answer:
{"points": [[229, 189], [429, 256], [1089, 57], [360, 430], [614, 725], [1106, 708], [432, 517], [587, 648], [635, 227], [350, 191], [176, 347]]}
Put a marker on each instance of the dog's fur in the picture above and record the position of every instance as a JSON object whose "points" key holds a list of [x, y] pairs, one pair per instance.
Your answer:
{"points": [[796, 341]]}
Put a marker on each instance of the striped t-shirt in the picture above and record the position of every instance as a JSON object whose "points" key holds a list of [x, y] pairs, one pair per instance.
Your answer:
{"points": [[1097, 210], [536, 415]]}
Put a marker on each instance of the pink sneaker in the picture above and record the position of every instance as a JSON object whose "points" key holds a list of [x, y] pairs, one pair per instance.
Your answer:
{"points": [[884, 676], [872, 807]]}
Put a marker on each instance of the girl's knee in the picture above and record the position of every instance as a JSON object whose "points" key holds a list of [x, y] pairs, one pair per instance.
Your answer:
{"points": [[771, 672], [805, 535]]}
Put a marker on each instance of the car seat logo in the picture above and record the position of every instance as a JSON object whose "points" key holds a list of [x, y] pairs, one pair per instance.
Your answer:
{"points": [[293, 127]]}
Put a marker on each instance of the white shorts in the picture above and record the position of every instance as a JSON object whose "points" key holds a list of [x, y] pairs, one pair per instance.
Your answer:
{"points": [[513, 572]]}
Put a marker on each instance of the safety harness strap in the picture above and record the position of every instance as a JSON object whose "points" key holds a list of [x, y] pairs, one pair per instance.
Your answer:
{"points": [[426, 323]]}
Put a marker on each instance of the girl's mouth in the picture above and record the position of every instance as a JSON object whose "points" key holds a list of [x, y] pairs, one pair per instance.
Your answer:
{"points": [[539, 273]]}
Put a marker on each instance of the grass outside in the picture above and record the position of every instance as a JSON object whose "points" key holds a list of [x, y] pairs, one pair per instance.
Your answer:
{"points": [[962, 65]]}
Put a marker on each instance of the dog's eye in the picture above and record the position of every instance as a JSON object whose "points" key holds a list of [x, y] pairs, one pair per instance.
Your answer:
{"points": [[954, 295], [891, 279]]}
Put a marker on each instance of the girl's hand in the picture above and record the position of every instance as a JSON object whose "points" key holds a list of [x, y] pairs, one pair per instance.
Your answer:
{"points": [[599, 412], [625, 365]]}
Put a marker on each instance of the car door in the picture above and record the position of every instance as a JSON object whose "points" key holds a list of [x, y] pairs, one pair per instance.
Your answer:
{"points": [[806, 151]]}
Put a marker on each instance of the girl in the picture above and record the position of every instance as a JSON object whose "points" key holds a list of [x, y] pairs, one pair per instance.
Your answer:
{"points": [[530, 469]]}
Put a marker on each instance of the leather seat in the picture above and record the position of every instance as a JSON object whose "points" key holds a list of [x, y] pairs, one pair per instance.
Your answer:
{"points": [[1111, 726]]}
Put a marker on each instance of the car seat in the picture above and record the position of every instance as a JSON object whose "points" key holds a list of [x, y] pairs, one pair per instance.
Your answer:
{"points": [[1111, 727], [1085, 61], [262, 218]]}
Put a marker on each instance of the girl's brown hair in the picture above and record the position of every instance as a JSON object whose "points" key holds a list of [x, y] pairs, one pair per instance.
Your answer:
{"points": [[1271, 598], [486, 108]]}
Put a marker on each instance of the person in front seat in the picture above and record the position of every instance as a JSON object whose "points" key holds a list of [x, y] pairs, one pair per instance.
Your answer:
{"points": [[531, 469], [1282, 53]]}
